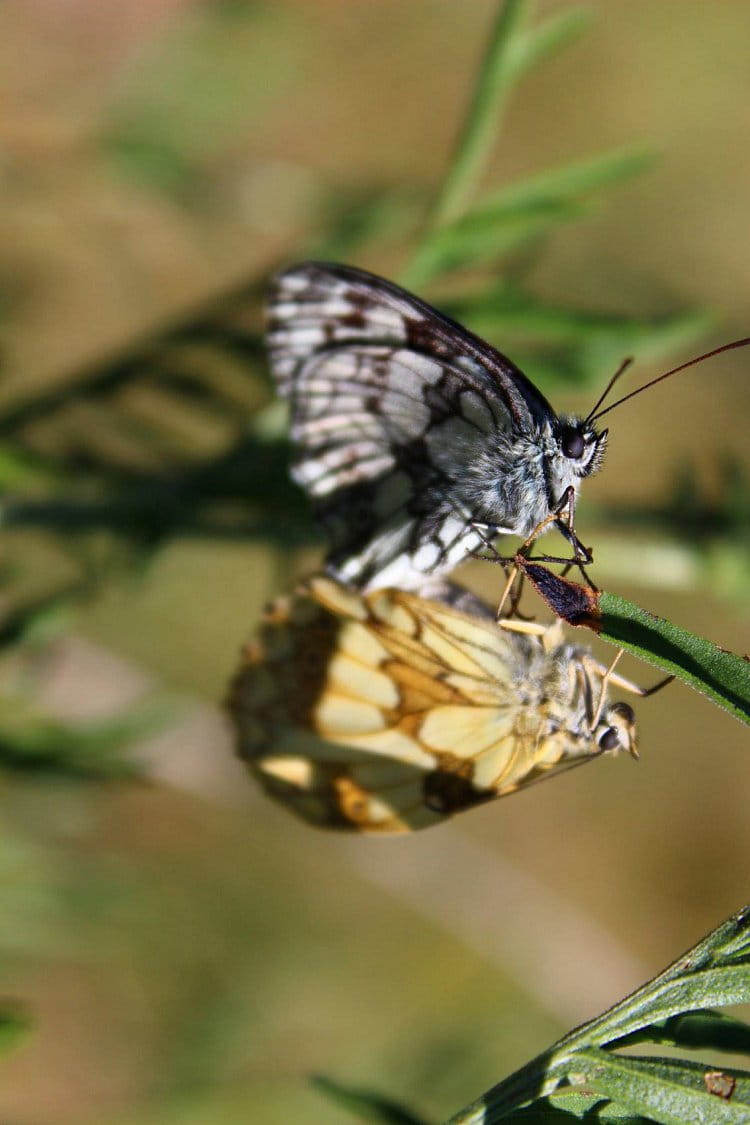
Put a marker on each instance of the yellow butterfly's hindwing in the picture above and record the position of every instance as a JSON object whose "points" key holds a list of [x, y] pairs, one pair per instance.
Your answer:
{"points": [[388, 712]]}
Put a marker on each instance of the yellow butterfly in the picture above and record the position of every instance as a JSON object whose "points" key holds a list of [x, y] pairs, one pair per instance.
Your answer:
{"points": [[388, 712]]}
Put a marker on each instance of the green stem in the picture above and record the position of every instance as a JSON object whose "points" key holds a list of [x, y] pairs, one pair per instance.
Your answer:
{"points": [[475, 141]]}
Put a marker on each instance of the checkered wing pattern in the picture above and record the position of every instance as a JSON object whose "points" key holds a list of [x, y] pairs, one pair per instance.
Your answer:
{"points": [[392, 405], [390, 712]]}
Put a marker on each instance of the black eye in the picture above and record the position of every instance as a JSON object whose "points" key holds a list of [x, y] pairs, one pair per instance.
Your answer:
{"points": [[572, 443], [624, 710], [610, 740]]}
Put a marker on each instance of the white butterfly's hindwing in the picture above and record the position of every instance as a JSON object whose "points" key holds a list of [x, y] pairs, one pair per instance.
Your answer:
{"points": [[389, 712], [410, 430]]}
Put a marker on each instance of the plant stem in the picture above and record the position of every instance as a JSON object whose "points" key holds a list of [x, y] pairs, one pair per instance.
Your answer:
{"points": [[475, 141]]}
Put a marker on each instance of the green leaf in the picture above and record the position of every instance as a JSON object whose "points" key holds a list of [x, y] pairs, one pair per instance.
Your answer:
{"points": [[568, 1105], [669, 1091], [524, 210], [713, 1030], [570, 346], [14, 1027], [723, 676], [571, 181], [726, 985], [494, 82], [39, 619], [481, 236], [34, 743], [366, 1104], [511, 53], [511, 310], [538, 43], [716, 970]]}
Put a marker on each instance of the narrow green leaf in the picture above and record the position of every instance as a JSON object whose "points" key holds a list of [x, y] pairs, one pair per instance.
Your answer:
{"points": [[33, 743], [508, 309], [366, 1104], [571, 181], [711, 1030], [568, 1105], [493, 85], [570, 346], [547, 38], [716, 987], [669, 1091], [723, 676], [523, 210], [483, 236]]}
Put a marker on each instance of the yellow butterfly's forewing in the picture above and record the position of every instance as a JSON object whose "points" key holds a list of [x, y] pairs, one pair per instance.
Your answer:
{"points": [[388, 712]]}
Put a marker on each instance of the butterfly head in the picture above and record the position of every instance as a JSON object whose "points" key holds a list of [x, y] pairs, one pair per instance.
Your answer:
{"points": [[616, 730], [580, 445], [574, 450]]}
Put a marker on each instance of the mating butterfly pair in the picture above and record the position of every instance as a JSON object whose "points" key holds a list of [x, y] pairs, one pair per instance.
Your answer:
{"points": [[372, 708], [379, 709]]}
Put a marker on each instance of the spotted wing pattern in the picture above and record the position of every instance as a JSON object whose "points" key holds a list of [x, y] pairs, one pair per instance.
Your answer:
{"points": [[389, 712], [392, 406]]}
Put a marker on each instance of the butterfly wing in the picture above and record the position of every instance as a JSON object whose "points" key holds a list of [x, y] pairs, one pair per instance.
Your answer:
{"points": [[396, 409], [390, 712]]}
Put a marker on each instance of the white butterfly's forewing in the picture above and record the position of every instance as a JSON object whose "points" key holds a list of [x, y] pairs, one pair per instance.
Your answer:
{"points": [[404, 424], [390, 712]]}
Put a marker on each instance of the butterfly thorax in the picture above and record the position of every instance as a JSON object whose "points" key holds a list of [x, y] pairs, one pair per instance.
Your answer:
{"points": [[552, 723], [525, 477]]}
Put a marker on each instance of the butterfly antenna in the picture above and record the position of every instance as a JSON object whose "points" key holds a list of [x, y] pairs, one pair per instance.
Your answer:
{"points": [[652, 383], [618, 373]]}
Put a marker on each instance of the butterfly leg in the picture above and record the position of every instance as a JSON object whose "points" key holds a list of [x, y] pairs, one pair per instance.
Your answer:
{"points": [[562, 517], [582, 555], [515, 576], [552, 636], [637, 689], [525, 547], [606, 679], [488, 543], [609, 676]]}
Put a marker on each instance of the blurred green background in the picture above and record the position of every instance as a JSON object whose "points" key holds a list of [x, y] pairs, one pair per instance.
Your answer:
{"points": [[186, 951]]}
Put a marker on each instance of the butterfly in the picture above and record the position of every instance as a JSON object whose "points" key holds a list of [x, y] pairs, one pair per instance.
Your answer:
{"points": [[386, 712], [417, 441]]}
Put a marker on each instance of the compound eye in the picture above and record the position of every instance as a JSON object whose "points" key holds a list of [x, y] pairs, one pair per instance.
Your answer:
{"points": [[573, 444], [610, 740], [625, 711]]}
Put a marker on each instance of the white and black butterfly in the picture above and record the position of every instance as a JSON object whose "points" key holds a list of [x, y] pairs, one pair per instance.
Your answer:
{"points": [[416, 440]]}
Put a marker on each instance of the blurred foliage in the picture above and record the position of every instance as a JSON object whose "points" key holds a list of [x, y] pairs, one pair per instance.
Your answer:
{"points": [[34, 743], [583, 1077], [176, 107], [366, 1105], [14, 1025], [178, 437]]}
